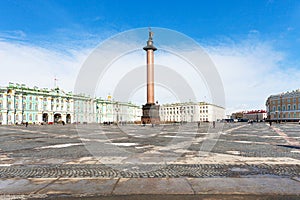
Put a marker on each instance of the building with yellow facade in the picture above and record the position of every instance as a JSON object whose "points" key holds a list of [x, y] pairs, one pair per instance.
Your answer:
{"points": [[284, 107]]}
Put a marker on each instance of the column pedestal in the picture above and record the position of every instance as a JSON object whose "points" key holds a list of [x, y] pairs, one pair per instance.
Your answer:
{"points": [[150, 114]]}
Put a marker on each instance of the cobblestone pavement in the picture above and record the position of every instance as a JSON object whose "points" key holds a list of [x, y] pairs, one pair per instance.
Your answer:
{"points": [[171, 171], [237, 149]]}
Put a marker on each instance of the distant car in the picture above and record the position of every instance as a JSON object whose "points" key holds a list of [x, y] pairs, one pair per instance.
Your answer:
{"points": [[235, 120]]}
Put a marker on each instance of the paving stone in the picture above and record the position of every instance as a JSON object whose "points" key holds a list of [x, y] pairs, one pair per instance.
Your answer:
{"points": [[23, 186], [103, 186], [153, 186], [280, 186]]}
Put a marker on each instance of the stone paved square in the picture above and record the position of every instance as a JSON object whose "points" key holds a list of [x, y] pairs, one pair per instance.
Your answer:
{"points": [[96, 159]]}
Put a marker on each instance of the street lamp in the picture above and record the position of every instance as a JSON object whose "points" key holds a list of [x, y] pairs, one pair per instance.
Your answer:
{"points": [[97, 108], [181, 111], [117, 109]]}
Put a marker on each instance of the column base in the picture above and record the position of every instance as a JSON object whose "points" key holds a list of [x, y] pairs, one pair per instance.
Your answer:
{"points": [[150, 114]]}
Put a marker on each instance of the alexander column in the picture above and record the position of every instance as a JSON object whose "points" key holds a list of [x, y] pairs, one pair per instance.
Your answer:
{"points": [[150, 109]]}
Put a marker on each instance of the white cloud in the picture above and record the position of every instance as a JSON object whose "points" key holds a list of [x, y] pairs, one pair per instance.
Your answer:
{"points": [[36, 66], [250, 70]]}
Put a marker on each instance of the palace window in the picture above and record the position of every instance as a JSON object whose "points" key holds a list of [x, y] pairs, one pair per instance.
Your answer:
{"points": [[283, 108], [294, 107], [289, 107]]}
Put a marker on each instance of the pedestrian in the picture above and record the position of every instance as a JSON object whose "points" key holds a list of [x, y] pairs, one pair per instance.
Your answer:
{"points": [[270, 123], [214, 124], [63, 123], [26, 124], [198, 124]]}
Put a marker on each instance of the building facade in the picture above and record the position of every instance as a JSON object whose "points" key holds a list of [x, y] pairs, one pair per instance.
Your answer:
{"points": [[20, 104], [191, 112], [284, 107], [121, 112], [255, 115]]}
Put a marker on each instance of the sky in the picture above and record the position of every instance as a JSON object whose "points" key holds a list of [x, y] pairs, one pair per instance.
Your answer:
{"points": [[254, 45]]}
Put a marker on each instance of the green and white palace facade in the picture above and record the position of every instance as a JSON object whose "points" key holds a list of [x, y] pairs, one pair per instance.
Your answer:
{"points": [[20, 104]]}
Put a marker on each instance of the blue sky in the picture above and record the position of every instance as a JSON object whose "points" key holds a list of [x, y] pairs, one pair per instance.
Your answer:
{"points": [[67, 30], [202, 20]]}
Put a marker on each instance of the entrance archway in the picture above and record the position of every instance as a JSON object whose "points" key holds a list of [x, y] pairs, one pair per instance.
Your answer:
{"points": [[57, 118], [45, 117], [68, 119]]}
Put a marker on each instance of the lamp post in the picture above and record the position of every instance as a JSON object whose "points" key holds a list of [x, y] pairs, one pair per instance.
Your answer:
{"points": [[15, 110], [97, 108], [181, 112], [7, 106], [117, 109]]}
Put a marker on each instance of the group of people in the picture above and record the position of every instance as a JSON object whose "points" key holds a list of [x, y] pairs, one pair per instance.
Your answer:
{"points": [[213, 123]]}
